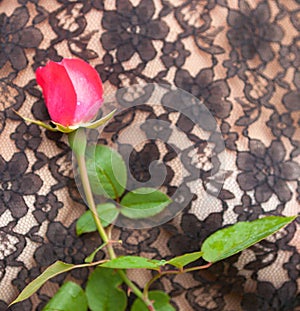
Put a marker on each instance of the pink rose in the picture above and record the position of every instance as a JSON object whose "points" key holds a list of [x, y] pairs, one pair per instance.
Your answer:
{"points": [[72, 90]]}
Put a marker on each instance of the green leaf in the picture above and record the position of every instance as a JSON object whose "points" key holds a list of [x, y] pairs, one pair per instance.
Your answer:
{"points": [[184, 260], [143, 203], [161, 302], [55, 269], [231, 240], [106, 170], [91, 257], [133, 262], [107, 213], [103, 292], [70, 297]]}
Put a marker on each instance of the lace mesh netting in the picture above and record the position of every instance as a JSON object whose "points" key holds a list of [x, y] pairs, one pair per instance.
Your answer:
{"points": [[240, 58]]}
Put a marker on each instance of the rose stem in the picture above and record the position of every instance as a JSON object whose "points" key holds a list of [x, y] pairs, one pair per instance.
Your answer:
{"points": [[77, 140]]}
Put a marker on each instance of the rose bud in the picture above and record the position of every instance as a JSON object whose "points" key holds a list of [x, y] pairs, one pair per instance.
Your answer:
{"points": [[73, 95]]}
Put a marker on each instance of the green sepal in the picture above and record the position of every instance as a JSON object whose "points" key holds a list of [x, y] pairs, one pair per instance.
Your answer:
{"points": [[65, 129], [89, 125], [39, 123], [99, 122], [68, 129]]}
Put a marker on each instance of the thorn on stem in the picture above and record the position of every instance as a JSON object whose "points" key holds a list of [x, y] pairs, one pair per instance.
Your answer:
{"points": [[151, 308], [111, 242]]}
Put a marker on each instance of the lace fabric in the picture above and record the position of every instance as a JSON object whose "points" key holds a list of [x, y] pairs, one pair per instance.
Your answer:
{"points": [[240, 58]]}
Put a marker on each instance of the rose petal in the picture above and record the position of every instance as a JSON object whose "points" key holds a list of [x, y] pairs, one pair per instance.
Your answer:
{"points": [[88, 88], [58, 91]]}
